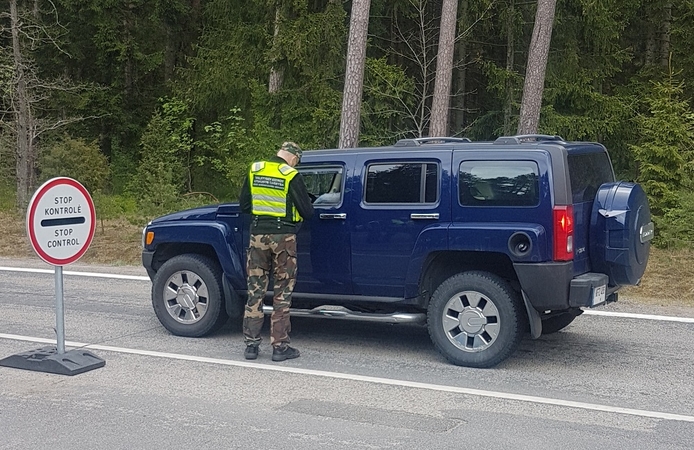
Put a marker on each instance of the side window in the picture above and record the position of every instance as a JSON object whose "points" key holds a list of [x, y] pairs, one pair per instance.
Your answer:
{"points": [[499, 183], [324, 184], [402, 183]]}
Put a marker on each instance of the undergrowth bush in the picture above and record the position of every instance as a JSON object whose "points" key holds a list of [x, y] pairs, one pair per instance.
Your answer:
{"points": [[675, 229], [77, 159]]}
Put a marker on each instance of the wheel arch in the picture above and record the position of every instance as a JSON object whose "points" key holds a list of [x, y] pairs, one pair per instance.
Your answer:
{"points": [[213, 240], [439, 266]]}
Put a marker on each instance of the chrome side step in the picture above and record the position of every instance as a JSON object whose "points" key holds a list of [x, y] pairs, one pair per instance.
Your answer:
{"points": [[340, 312]]}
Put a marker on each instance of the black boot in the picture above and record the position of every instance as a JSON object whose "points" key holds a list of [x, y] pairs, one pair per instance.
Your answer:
{"points": [[251, 351], [284, 352]]}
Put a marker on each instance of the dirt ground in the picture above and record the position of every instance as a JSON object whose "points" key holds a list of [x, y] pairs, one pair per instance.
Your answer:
{"points": [[669, 278]]}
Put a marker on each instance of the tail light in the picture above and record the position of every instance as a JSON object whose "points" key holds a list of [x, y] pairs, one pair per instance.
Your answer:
{"points": [[563, 233]]}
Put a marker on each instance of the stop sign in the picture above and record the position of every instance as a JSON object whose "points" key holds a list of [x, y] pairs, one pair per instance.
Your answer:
{"points": [[61, 221]]}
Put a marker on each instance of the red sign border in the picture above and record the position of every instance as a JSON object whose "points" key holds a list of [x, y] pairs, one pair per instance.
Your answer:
{"points": [[32, 212]]}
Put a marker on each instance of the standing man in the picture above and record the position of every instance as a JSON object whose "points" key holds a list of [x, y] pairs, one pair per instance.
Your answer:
{"points": [[276, 196]]}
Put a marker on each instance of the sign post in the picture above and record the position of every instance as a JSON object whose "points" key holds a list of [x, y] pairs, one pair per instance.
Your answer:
{"points": [[60, 224]]}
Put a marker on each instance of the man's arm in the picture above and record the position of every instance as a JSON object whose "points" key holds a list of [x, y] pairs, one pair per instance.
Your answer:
{"points": [[300, 197], [245, 198]]}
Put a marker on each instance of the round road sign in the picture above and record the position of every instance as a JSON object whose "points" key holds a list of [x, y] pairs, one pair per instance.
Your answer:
{"points": [[61, 221]]}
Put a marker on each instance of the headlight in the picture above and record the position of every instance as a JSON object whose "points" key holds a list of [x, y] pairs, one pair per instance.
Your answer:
{"points": [[147, 236]]}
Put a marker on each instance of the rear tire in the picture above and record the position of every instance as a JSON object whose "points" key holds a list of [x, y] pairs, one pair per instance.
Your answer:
{"points": [[187, 295], [475, 319]]}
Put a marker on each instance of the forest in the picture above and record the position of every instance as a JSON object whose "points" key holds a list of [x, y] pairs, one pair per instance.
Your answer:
{"points": [[158, 104]]}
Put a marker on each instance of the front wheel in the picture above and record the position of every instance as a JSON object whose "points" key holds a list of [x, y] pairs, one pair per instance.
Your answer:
{"points": [[187, 295], [475, 319]]}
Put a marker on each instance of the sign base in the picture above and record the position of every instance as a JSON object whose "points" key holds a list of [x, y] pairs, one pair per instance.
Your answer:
{"points": [[47, 359]]}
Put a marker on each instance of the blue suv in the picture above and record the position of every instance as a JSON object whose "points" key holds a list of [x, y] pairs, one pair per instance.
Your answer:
{"points": [[481, 241]]}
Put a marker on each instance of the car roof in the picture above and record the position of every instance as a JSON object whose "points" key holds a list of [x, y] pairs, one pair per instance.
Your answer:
{"points": [[522, 142]]}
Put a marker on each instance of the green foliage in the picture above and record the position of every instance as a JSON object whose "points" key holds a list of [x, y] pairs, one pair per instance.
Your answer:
{"points": [[163, 171], [227, 59], [308, 114], [226, 149], [665, 149], [8, 194], [76, 159], [7, 158], [113, 206], [389, 110], [675, 229]]}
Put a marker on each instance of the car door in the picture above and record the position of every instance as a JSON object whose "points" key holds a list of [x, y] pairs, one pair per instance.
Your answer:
{"points": [[324, 264], [398, 198]]}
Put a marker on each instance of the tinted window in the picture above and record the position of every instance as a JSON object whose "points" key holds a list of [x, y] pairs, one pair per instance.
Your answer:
{"points": [[588, 171], [324, 184], [499, 183], [402, 183]]}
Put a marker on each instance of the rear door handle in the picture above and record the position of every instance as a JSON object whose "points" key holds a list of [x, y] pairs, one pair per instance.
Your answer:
{"points": [[340, 216], [428, 216]]}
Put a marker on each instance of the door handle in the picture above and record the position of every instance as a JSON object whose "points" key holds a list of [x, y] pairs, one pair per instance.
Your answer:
{"points": [[428, 216], [340, 216]]}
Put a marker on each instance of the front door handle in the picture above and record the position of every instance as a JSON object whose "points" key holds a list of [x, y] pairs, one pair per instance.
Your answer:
{"points": [[340, 216], [428, 216]]}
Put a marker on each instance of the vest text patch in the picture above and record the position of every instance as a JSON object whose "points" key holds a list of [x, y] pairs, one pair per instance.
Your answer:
{"points": [[268, 182]]}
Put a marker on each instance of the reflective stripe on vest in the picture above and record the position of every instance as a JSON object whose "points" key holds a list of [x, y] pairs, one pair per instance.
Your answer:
{"points": [[269, 183]]}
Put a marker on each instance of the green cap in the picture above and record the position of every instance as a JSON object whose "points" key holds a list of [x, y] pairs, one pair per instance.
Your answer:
{"points": [[292, 148]]}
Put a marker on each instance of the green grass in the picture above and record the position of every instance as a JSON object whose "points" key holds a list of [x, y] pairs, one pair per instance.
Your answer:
{"points": [[8, 198]]}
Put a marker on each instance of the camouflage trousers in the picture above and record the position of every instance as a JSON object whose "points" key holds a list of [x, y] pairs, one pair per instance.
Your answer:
{"points": [[268, 253]]}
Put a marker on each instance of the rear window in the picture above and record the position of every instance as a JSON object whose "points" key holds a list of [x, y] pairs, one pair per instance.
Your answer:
{"points": [[499, 183], [588, 171]]}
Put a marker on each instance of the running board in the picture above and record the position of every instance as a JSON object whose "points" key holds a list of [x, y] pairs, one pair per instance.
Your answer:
{"points": [[340, 312]]}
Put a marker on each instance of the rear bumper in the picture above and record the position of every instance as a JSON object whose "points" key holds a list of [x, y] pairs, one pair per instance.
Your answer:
{"points": [[552, 286], [583, 287]]}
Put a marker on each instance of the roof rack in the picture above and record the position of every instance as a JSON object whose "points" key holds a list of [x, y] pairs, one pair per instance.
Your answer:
{"points": [[521, 138], [429, 140]]}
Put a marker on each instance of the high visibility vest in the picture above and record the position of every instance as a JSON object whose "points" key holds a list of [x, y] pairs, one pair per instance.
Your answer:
{"points": [[269, 183]]}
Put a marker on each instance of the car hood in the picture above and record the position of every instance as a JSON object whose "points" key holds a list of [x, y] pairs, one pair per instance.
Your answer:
{"points": [[200, 213]]}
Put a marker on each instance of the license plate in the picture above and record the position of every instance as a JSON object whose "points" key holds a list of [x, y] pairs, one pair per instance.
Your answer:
{"points": [[599, 294]]}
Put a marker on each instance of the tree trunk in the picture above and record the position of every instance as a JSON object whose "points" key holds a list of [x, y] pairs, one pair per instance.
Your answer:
{"points": [[276, 72], [510, 53], [536, 67], [444, 70], [665, 35], [354, 74], [459, 110], [24, 122]]}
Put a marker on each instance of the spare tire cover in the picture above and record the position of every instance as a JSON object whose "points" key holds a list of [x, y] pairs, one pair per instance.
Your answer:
{"points": [[620, 232]]}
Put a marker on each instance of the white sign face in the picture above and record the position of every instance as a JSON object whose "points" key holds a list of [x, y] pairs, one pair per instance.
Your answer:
{"points": [[61, 221]]}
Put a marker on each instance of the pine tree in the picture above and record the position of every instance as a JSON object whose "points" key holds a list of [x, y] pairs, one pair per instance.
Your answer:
{"points": [[665, 149]]}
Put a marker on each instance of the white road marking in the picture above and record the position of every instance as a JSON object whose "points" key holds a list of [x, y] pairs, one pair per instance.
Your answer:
{"points": [[591, 312], [81, 274], [368, 379]]}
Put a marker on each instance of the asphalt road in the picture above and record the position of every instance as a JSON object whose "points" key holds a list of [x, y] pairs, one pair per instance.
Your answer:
{"points": [[604, 382]]}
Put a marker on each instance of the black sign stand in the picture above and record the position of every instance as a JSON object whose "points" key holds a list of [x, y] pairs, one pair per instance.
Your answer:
{"points": [[56, 359]]}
